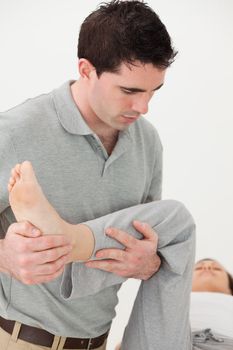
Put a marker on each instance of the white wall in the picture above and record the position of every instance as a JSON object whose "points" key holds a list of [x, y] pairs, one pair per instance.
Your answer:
{"points": [[193, 111]]}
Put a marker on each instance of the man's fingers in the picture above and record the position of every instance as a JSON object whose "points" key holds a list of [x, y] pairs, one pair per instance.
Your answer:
{"points": [[52, 267], [144, 228], [116, 254], [106, 265], [43, 278], [121, 236], [47, 242], [50, 255]]}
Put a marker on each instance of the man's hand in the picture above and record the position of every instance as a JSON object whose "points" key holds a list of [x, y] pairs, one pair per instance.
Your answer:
{"points": [[31, 257], [138, 259]]}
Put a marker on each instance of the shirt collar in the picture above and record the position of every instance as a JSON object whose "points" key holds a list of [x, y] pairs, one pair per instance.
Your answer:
{"points": [[69, 114]]}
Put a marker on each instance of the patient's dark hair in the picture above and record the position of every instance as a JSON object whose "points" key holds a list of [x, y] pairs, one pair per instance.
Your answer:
{"points": [[230, 277], [124, 31]]}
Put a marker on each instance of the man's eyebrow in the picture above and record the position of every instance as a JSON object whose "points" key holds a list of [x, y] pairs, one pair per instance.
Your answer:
{"points": [[131, 89]]}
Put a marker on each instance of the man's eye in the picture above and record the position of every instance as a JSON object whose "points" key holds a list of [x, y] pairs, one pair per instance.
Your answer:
{"points": [[127, 92]]}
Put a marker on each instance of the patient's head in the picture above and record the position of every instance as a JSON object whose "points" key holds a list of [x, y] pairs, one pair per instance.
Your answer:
{"points": [[210, 276]]}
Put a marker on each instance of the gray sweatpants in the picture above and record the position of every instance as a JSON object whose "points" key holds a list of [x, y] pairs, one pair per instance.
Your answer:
{"points": [[160, 315], [207, 340]]}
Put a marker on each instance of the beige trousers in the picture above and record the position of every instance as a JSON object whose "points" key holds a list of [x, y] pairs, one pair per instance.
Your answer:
{"points": [[11, 342]]}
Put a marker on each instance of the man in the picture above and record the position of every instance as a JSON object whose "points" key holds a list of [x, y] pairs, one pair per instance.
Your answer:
{"points": [[93, 155]]}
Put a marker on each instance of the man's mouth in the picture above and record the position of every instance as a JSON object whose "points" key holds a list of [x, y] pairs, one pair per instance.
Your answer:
{"points": [[129, 118]]}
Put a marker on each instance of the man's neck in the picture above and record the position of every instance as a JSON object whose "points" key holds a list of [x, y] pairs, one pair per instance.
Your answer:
{"points": [[106, 134]]}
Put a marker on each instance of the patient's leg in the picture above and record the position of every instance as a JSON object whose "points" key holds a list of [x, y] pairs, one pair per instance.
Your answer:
{"points": [[160, 316]]}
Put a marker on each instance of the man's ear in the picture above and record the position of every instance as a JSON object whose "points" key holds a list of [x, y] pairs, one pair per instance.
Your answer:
{"points": [[86, 68]]}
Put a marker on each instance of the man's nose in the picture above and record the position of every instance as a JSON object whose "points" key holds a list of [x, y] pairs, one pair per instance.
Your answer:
{"points": [[141, 105]]}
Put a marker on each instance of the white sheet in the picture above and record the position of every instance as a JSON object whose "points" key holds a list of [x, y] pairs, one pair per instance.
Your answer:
{"points": [[212, 310]]}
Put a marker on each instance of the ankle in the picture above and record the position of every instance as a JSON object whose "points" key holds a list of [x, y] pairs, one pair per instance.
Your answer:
{"points": [[82, 241]]}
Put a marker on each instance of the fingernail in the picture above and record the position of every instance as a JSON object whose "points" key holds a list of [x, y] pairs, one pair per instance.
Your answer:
{"points": [[35, 231]]}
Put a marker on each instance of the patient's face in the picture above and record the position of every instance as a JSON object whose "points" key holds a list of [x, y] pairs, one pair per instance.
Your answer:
{"points": [[210, 276]]}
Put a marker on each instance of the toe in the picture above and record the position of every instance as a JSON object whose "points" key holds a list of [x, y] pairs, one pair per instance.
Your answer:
{"points": [[14, 175], [26, 171], [12, 180], [17, 168], [9, 187]]}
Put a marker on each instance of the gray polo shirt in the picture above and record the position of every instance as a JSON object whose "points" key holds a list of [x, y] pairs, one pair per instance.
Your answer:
{"points": [[83, 183]]}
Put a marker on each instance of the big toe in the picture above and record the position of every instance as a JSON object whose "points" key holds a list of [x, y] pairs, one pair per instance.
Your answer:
{"points": [[27, 172]]}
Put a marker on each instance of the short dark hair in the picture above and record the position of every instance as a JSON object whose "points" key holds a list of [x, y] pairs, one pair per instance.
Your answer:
{"points": [[124, 31]]}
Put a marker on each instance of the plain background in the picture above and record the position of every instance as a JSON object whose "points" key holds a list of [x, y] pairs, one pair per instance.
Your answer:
{"points": [[192, 112]]}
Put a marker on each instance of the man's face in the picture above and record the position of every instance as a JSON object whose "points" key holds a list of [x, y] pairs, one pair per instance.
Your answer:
{"points": [[210, 276], [119, 99]]}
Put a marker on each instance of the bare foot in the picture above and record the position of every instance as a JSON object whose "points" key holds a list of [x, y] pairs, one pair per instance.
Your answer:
{"points": [[29, 203]]}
